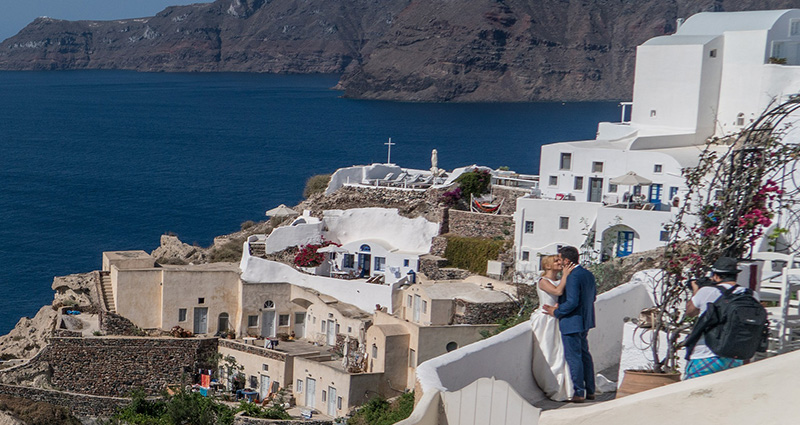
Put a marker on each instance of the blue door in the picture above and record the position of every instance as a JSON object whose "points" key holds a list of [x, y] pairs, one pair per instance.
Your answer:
{"points": [[624, 244], [655, 193]]}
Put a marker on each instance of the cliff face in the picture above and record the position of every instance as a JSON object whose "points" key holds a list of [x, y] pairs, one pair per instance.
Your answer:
{"points": [[418, 50]]}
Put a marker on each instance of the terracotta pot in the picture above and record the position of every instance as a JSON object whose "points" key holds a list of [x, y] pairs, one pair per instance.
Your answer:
{"points": [[636, 381]]}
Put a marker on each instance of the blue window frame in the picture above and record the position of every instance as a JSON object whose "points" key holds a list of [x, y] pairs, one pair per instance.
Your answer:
{"points": [[380, 264], [365, 248], [624, 243], [655, 193], [673, 192]]}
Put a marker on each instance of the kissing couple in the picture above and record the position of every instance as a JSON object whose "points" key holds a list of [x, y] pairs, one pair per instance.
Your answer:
{"points": [[562, 365]]}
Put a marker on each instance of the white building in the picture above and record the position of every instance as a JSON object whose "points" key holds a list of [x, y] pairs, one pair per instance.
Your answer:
{"points": [[713, 77]]}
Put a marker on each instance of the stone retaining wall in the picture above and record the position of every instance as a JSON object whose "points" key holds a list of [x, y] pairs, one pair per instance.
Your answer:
{"points": [[114, 324], [509, 196], [483, 313], [477, 225], [434, 268], [116, 366], [245, 420], [78, 404], [253, 349]]}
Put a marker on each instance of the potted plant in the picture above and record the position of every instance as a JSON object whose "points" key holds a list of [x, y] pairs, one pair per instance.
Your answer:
{"points": [[735, 193]]}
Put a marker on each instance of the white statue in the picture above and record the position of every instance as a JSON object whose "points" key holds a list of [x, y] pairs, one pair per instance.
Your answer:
{"points": [[435, 162]]}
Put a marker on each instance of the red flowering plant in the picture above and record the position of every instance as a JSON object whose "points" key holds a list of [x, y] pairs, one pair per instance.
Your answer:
{"points": [[733, 197], [308, 255]]}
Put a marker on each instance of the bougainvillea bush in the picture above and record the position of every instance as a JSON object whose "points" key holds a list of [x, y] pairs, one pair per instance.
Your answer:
{"points": [[308, 256]]}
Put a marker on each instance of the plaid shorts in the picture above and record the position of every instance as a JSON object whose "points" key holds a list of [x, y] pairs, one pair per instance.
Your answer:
{"points": [[700, 367]]}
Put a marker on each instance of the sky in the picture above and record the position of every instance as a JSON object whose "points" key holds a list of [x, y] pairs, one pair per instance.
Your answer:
{"points": [[16, 14]]}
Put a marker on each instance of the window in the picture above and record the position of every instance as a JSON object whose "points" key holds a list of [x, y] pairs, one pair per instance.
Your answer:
{"points": [[201, 301], [337, 328], [299, 387], [405, 262], [349, 261], [664, 237], [553, 181], [181, 314], [563, 223], [657, 168], [424, 306], [777, 49], [324, 396], [637, 190], [269, 304], [794, 27], [374, 351], [612, 188], [265, 367], [578, 183], [673, 192], [526, 256], [652, 113], [566, 161], [452, 345], [380, 264], [252, 321], [712, 53], [740, 119], [528, 227], [412, 358], [283, 320], [410, 300], [597, 167], [339, 403], [365, 248], [253, 381], [323, 327], [349, 329]]}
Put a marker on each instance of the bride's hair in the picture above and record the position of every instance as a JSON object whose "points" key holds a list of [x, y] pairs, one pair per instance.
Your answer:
{"points": [[548, 261]]}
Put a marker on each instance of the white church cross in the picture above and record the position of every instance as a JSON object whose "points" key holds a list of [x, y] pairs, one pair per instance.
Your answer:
{"points": [[389, 155]]}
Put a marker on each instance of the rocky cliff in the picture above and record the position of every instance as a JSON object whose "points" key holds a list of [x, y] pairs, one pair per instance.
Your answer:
{"points": [[418, 50]]}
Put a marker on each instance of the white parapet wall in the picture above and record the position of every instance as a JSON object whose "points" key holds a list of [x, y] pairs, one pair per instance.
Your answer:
{"points": [[759, 393], [508, 355], [356, 292], [289, 236]]}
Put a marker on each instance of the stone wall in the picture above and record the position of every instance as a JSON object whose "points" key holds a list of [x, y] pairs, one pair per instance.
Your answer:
{"points": [[114, 324], [509, 197], [78, 404], [478, 225], [438, 246], [483, 313], [253, 349], [115, 366], [434, 268], [245, 420]]}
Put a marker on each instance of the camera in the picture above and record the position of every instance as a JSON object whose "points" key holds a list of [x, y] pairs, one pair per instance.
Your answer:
{"points": [[700, 282]]}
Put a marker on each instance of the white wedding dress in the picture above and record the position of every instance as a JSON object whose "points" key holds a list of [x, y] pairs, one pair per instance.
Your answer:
{"points": [[549, 365]]}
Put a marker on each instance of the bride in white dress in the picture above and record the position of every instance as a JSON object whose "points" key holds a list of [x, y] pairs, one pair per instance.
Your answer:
{"points": [[549, 365]]}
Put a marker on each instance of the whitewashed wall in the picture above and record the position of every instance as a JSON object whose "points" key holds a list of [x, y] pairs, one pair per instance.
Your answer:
{"points": [[357, 292], [405, 234], [289, 236]]}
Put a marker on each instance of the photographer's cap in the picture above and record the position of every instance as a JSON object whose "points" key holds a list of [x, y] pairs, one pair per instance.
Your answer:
{"points": [[725, 265]]}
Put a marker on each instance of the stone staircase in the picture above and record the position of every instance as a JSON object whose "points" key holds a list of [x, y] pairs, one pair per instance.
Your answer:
{"points": [[107, 292]]}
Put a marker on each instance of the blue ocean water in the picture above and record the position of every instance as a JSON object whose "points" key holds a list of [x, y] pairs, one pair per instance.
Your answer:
{"points": [[92, 161]]}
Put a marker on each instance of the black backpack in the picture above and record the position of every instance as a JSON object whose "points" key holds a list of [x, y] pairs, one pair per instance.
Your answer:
{"points": [[734, 326]]}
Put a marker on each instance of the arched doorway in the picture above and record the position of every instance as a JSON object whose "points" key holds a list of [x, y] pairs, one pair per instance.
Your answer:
{"points": [[364, 260], [223, 323], [618, 241]]}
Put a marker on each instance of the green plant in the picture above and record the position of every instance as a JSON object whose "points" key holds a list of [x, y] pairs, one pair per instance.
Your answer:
{"points": [[777, 61], [472, 253], [274, 411], [316, 184], [378, 411], [503, 168], [248, 224], [182, 408], [474, 183]]}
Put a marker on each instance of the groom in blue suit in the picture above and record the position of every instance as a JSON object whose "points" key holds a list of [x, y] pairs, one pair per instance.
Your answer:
{"points": [[575, 314]]}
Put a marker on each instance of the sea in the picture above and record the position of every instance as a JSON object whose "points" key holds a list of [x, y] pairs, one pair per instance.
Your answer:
{"points": [[92, 161]]}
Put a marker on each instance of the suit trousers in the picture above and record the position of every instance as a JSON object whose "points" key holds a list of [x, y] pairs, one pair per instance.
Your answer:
{"points": [[581, 366]]}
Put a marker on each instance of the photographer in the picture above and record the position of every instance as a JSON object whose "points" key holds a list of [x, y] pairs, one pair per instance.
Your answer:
{"points": [[701, 359]]}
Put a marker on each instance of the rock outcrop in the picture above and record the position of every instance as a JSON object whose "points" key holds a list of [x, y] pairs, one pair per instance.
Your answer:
{"points": [[431, 50]]}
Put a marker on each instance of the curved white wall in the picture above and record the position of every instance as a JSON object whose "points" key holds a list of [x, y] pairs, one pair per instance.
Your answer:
{"points": [[289, 236], [357, 292], [405, 234]]}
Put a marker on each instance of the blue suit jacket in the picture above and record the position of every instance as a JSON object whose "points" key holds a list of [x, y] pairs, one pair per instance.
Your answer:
{"points": [[576, 306]]}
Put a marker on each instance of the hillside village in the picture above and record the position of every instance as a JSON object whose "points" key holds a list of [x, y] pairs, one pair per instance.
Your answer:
{"points": [[389, 279]]}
